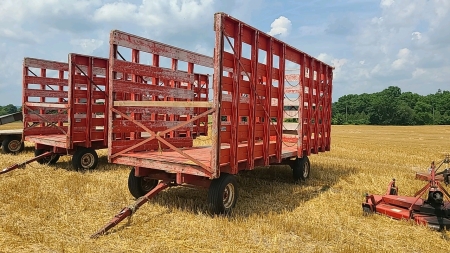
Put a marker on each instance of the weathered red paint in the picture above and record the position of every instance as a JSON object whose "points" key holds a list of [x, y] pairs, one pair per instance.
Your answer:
{"points": [[78, 117], [258, 94], [248, 93]]}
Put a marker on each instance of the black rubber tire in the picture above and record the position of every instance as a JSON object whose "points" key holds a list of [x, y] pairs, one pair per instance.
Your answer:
{"points": [[46, 160], [85, 159], [12, 144], [223, 194], [139, 186], [367, 210], [301, 168]]}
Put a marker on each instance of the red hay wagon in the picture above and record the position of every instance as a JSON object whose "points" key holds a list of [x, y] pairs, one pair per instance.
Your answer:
{"points": [[253, 93], [65, 108]]}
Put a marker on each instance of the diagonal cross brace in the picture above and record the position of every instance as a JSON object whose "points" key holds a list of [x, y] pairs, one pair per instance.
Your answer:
{"points": [[157, 136], [46, 120]]}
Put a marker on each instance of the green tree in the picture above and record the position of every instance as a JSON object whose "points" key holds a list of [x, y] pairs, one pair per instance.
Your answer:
{"points": [[423, 113], [10, 109]]}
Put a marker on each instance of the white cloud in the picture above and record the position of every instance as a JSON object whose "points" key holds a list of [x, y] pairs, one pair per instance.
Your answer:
{"points": [[161, 16], [117, 11], [403, 58], [18, 35], [386, 3], [86, 46], [338, 64], [418, 72], [280, 26], [416, 36]]}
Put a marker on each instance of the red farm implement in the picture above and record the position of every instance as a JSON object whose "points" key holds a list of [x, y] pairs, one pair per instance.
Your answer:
{"points": [[253, 93], [65, 109], [432, 211], [443, 176]]}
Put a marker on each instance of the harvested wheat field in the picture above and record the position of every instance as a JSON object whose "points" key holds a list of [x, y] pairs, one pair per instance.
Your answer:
{"points": [[54, 209]]}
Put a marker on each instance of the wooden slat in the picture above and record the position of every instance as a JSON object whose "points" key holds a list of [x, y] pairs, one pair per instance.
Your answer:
{"points": [[45, 64], [44, 130], [45, 93], [141, 88], [45, 80], [46, 105], [182, 104], [129, 126], [142, 44], [151, 71], [151, 145], [48, 117], [157, 110]]}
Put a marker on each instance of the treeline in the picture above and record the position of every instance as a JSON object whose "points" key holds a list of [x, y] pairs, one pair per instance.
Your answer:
{"points": [[8, 109], [392, 107]]}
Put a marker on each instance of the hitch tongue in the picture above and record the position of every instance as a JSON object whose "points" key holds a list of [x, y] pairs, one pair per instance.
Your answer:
{"points": [[130, 210], [22, 165]]}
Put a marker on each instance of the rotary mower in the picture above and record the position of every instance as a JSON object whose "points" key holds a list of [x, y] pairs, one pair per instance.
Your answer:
{"points": [[433, 210], [443, 176]]}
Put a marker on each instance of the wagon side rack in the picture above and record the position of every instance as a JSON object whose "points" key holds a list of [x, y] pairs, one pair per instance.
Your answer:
{"points": [[44, 157]]}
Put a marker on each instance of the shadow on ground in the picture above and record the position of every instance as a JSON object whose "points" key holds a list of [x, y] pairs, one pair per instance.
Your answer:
{"points": [[261, 191]]}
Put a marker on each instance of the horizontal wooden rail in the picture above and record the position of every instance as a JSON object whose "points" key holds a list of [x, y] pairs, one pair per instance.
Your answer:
{"points": [[183, 104], [48, 105]]}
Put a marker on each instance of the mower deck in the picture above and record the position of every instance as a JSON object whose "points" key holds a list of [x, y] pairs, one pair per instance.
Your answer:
{"points": [[397, 207], [432, 211]]}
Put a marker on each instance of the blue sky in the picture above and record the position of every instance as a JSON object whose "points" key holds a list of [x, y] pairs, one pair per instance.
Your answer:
{"points": [[373, 44]]}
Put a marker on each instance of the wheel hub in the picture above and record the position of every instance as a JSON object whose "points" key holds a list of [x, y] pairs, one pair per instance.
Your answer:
{"points": [[147, 184], [228, 195], [87, 160], [14, 145]]}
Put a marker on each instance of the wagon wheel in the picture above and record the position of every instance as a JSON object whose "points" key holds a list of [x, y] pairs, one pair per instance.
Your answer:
{"points": [[139, 186], [12, 144], [51, 159], [301, 168], [367, 210], [85, 159], [223, 194]]}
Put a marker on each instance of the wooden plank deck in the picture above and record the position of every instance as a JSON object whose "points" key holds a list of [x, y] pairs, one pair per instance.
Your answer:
{"points": [[55, 140], [202, 154]]}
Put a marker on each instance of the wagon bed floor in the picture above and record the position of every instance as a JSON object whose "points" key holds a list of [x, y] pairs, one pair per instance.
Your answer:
{"points": [[202, 154], [55, 140]]}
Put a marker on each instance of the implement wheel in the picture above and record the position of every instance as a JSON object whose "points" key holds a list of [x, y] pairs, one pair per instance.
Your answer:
{"points": [[12, 144], [223, 194], [85, 159], [301, 168], [139, 186], [51, 159]]}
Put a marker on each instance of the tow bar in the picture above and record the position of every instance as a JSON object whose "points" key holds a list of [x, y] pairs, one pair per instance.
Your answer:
{"points": [[130, 210], [22, 165]]}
